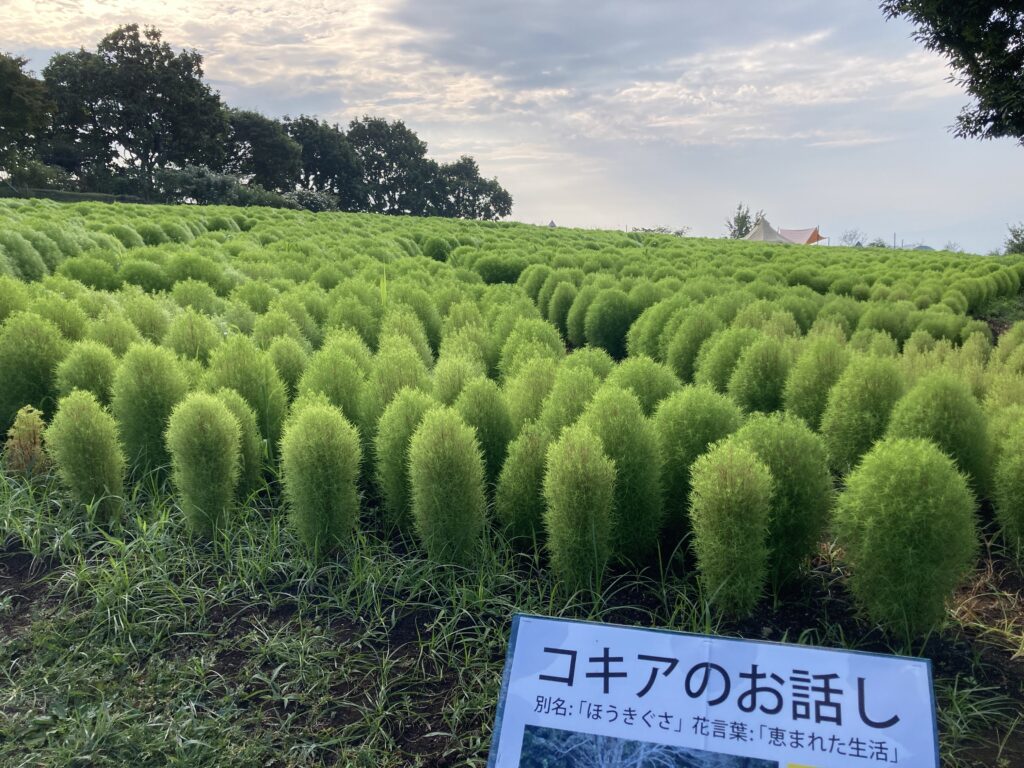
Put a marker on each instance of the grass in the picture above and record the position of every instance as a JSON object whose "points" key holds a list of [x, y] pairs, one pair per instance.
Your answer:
{"points": [[142, 645]]}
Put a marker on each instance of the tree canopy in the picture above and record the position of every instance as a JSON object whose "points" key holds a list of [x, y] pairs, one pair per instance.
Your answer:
{"points": [[984, 43]]}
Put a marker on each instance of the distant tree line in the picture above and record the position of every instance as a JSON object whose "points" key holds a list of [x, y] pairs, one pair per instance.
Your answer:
{"points": [[136, 118]]}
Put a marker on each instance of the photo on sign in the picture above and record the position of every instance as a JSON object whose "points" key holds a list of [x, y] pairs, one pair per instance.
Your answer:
{"points": [[555, 748]]}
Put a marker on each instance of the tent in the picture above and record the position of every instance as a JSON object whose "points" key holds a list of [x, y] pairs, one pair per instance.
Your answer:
{"points": [[802, 236], [764, 233]]}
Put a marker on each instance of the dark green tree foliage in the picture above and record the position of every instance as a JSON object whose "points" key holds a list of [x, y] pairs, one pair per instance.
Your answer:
{"points": [[483, 407], [461, 192], [758, 380], [397, 176], [1008, 485], [686, 423], [629, 440], [237, 364], [250, 445], [984, 43], [147, 386], [940, 407], [718, 356], [820, 364], [906, 525], [391, 451], [579, 488], [858, 409], [88, 366], [204, 441], [730, 510], [193, 335], [30, 349], [571, 392], [446, 475], [328, 164], [320, 462], [333, 372], [24, 112], [802, 492], [607, 321], [686, 342], [651, 382], [259, 150], [519, 498], [82, 439]]}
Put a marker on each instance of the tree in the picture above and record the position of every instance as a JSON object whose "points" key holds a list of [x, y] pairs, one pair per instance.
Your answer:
{"points": [[1015, 241], [984, 43], [853, 237], [464, 194], [328, 163], [134, 104], [741, 223], [682, 231], [24, 111], [398, 176], [260, 150]]}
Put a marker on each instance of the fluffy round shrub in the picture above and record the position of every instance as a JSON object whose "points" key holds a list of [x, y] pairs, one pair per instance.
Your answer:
{"points": [[607, 321], [204, 441], [802, 492], [446, 475], [115, 330], [596, 359], [82, 440], [402, 321], [941, 408], [239, 365], [579, 488], [1009, 485], [629, 439], [482, 406], [250, 445], [64, 313], [575, 321], [651, 382], [559, 304], [730, 509], [193, 335], [147, 386], [571, 391], [718, 356], [529, 339], [519, 497], [759, 377], [396, 366], [451, 374], [696, 328], [391, 453], [525, 392], [331, 371], [686, 423], [13, 296], [89, 366], [858, 408], [320, 458], [819, 366], [290, 359], [906, 525], [30, 349]]}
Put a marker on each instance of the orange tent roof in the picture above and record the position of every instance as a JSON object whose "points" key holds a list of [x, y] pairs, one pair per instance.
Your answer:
{"points": [[802, 236]]}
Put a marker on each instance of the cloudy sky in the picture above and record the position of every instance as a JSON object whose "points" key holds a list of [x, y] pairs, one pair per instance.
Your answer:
{"points": [[613, 113]]}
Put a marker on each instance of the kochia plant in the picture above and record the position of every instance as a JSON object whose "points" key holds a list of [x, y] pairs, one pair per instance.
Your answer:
{"points": [[391, 452], [240, 365], [89, 366], [483, 407], [519, 500], [819, 366], [30, 349]]}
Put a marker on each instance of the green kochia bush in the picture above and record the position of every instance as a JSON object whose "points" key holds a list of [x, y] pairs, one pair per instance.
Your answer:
{"points": [[569, 395], [686, 342], [239, 365], [579, 487], [250, 445], [332, 371], [819, 366], [525, 392], [686, 424], [607, 321], [446, 474], [718, 356], [320, 458], [204, 440], [391, 451], [730, 510], [147, 386], [89, 366], [483, 407], [1009, 485], [30, 349], [941, 408], [397, 365], [906, 525], [192, 334], [651, 382], [290, 359], [629, 439], [858, 409], [519, 498], [759, 377], [802, 492], [82, 439], [452, 373]]}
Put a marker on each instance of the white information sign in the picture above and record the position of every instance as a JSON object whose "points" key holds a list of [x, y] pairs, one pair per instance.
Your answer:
{"points": [[578, 694]]}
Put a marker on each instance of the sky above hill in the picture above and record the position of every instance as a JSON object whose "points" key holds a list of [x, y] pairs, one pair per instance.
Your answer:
{"points": [[613, 113]]}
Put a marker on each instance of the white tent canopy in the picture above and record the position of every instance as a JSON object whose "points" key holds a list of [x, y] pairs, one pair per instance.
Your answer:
{"points": [[765, 233]]}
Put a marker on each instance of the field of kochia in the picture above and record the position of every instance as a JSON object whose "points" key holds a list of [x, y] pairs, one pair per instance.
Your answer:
{"points": [[609, 401]]}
